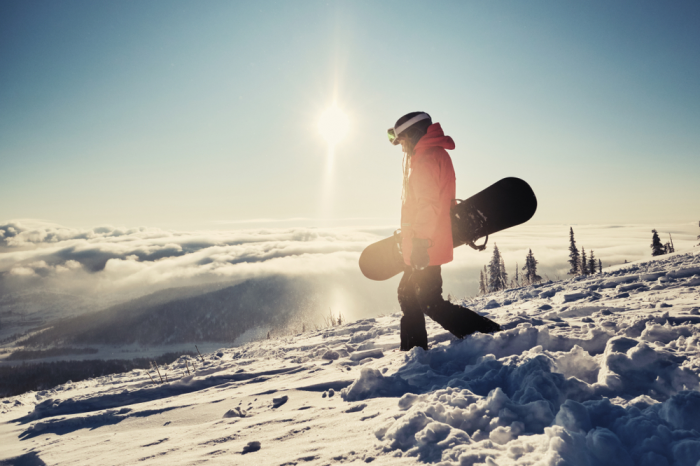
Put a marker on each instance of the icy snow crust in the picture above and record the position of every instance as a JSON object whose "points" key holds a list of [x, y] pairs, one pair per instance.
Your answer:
{"points": [[602, 370]]}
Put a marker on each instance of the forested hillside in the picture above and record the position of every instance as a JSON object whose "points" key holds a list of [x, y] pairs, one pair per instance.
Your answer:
{"points": [[220, 315]]}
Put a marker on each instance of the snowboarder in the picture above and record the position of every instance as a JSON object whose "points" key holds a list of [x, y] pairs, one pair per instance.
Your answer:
{"points": [[427, 196]]}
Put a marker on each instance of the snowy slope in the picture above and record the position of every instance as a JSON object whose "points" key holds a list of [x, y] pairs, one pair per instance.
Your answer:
{"points": [[603, 370]]}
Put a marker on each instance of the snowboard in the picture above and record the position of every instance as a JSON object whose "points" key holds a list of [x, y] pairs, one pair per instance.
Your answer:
{"points": [[504, 204]]}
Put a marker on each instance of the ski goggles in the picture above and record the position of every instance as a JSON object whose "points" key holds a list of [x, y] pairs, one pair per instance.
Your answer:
{"points": [[395, 132]]}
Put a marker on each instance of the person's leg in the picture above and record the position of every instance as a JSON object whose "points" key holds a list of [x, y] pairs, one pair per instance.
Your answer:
{"points": [[413, 331], [458, 320]]}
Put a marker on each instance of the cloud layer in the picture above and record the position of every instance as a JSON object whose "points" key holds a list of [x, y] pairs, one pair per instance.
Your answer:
{"points": [[117, 259], [120, 263]]}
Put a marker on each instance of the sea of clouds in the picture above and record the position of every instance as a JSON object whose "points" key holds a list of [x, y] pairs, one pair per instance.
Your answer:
{"points": [[115, 264]]}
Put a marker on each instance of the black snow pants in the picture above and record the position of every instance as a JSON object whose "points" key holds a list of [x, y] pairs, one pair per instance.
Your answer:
{"points": [[420, 292]]}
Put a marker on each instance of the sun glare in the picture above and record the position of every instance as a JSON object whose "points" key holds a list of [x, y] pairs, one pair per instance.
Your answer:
{"points": [[333, 125]]}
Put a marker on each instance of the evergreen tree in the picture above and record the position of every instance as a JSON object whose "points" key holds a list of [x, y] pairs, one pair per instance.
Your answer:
{"points": [[657, 248], [583, 267], [487, 279], [530, 269], [504, 274], [482, 283], [600, 266], [573, 254], [699, 235], [591, 263], [495, 276], [494, 270], [515, 283], [533, 265]]}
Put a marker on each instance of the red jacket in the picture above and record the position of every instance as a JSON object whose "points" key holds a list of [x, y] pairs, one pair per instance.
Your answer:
{"points": [[425, 213]]}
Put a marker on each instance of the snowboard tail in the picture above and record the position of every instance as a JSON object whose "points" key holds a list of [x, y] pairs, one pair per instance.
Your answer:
{"points": [[383, 259], [504, 204]]}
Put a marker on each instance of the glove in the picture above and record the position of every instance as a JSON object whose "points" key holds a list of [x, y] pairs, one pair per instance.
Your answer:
{"points": [[419, 255]]}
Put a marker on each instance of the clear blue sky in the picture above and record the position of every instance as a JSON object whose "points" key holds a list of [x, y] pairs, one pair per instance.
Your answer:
{"points": [[189, 114]]}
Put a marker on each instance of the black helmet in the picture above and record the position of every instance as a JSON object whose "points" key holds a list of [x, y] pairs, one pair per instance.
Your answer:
{"points": [[412, 124]]}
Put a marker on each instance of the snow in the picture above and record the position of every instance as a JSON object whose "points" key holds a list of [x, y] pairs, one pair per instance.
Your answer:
{"points": [[252, 334], [598, 370]]}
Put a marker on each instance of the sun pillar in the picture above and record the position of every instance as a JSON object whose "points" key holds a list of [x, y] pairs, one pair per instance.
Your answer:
{"points": [[333, 127]]}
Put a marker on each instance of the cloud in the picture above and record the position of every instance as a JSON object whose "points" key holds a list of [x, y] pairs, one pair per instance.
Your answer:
{"points": [[123, 263], [94, 248]]}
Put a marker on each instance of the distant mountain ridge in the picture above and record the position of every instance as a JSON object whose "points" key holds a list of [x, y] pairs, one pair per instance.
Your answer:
{"points": [[166, 318], [27, 310], [44, 304]]}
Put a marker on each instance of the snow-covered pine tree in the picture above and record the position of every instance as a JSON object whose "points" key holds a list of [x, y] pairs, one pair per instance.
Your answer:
{"points": [[482, 283], [573, 254], [657, 248], [600, 266], [530, 269], [495, 275], [504, 274], [591, 263], [494, 270], [699, 235], [583, 267], [515, 283]]}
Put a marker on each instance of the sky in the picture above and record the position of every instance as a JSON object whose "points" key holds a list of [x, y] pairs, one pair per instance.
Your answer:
{"points": [[196, 115]]}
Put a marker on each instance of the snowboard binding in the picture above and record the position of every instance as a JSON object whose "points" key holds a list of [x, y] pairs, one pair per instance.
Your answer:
{"points": [[468, 225]]}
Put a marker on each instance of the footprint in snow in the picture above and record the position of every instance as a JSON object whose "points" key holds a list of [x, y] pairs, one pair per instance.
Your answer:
{"points": [[235, 412], [251, 447], [356, 408], [277, 402]]}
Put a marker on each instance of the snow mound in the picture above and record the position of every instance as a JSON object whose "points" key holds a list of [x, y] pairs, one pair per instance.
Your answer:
{"points": [[536, 394]]}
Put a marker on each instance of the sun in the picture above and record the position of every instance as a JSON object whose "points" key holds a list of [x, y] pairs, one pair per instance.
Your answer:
{"points": [[333, 125]]}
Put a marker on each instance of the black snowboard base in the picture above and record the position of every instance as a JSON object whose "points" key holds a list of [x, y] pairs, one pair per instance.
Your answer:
{"points": [[504, 204]]}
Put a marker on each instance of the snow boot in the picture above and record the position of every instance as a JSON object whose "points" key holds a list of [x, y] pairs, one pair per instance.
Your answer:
{"points": [[461, 321], [413, 333]]}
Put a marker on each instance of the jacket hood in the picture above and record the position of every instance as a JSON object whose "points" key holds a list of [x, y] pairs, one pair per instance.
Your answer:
{"points": [[435, 137]]}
